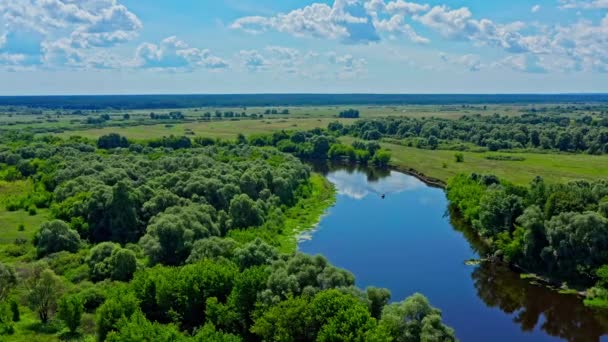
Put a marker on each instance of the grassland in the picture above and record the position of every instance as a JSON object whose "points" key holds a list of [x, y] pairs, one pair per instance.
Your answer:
{"points": [[553, 167], [225, 129], [438, 164]]}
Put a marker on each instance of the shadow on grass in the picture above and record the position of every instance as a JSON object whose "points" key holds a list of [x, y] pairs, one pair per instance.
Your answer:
{"points": [[70, 336], [49, 328]]}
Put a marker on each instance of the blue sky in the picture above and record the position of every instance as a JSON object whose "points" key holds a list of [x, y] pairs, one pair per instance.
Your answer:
{"points": [[338, 46]]}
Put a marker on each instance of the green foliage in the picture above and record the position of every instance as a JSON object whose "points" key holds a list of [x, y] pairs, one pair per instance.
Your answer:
{"points": [[171, 235], [120, 305], [56, 236], [8, 281], [109, 260], [212, 248], [564, 241], [378, 299], [137, 328], [44, 290], [179, 295], [459, 157], [415, 319], [70, 310], [112, 140], [255, 253], [244, 212]]}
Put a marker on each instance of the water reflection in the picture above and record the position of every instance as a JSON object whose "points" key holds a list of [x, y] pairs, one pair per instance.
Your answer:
{"points": [[403, 243], [359, 182], [533, 306]]}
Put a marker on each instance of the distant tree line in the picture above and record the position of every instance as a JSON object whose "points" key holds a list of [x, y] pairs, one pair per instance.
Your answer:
{"points": [[532, 131]]}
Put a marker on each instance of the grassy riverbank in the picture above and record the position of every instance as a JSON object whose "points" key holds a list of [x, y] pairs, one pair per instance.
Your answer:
{"points": [[442, 165], [307, 212]]}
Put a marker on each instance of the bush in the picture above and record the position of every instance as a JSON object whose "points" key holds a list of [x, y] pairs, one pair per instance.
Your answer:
{"points": [[70, 312], [56, 236], [459, 157]]}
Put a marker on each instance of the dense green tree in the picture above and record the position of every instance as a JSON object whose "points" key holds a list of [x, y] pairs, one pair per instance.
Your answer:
{"points": [[415, 319], [70, 310], [171, 235], [244, 212], [577, 244], [378, 299], [43, 291], [112, 140], [212, 248], [119, 305], [56, 236], [255, 253], [137, 328]]}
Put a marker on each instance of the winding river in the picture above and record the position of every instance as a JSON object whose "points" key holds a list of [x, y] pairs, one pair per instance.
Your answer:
{"points": [[408, 243]]}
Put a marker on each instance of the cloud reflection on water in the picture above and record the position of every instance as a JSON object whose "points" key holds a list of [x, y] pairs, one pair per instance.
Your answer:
{"points": [[355, 185]]}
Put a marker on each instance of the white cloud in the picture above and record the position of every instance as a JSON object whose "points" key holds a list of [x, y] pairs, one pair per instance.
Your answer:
{"points": [[396, 25], [450, 23], [175, 54], [535, 8], [253, 60], [583, 4], [317, 20], [521, 63], [405, 8], [347, 65], [67, 27], [470, 61]]}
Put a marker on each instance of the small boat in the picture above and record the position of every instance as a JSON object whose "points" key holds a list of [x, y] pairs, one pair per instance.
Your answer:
{"points": [[383, 196]]}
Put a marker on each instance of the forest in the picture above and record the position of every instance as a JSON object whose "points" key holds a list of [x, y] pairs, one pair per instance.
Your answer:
{"points": [[174, 239], [557, 231], [530, 131], [273, 100]]}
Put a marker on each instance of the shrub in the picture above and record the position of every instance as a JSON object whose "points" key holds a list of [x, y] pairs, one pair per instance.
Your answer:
{"points": [[56, 236]]}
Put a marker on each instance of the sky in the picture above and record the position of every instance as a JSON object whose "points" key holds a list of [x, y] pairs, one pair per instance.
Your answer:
{"points": [[51, 47]]}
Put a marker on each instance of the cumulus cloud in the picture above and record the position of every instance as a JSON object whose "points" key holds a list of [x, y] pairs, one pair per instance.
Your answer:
{"points": [[535, 8], [346, 20], [406, 8], [396, 25], [174, 54], [64, 29]]}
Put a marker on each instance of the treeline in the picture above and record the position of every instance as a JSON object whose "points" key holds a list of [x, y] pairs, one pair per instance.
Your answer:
{"points": [[171, 244], [322, 144], [559, 231], [276, 100], [493, 133]]}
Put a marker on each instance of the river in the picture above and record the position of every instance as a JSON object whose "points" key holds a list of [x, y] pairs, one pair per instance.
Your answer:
{"points": [[407, 242]]}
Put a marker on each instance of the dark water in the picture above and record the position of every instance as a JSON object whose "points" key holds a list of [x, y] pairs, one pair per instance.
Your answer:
{"points": [[407, 243]]}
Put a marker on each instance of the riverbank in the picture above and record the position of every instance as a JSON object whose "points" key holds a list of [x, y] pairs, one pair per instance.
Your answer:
{"points": [[307, 213], [441, 165]]}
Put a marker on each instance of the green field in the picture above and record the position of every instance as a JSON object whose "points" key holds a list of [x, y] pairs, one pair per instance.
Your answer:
{"points": [[225, 129], [552, 167]]}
